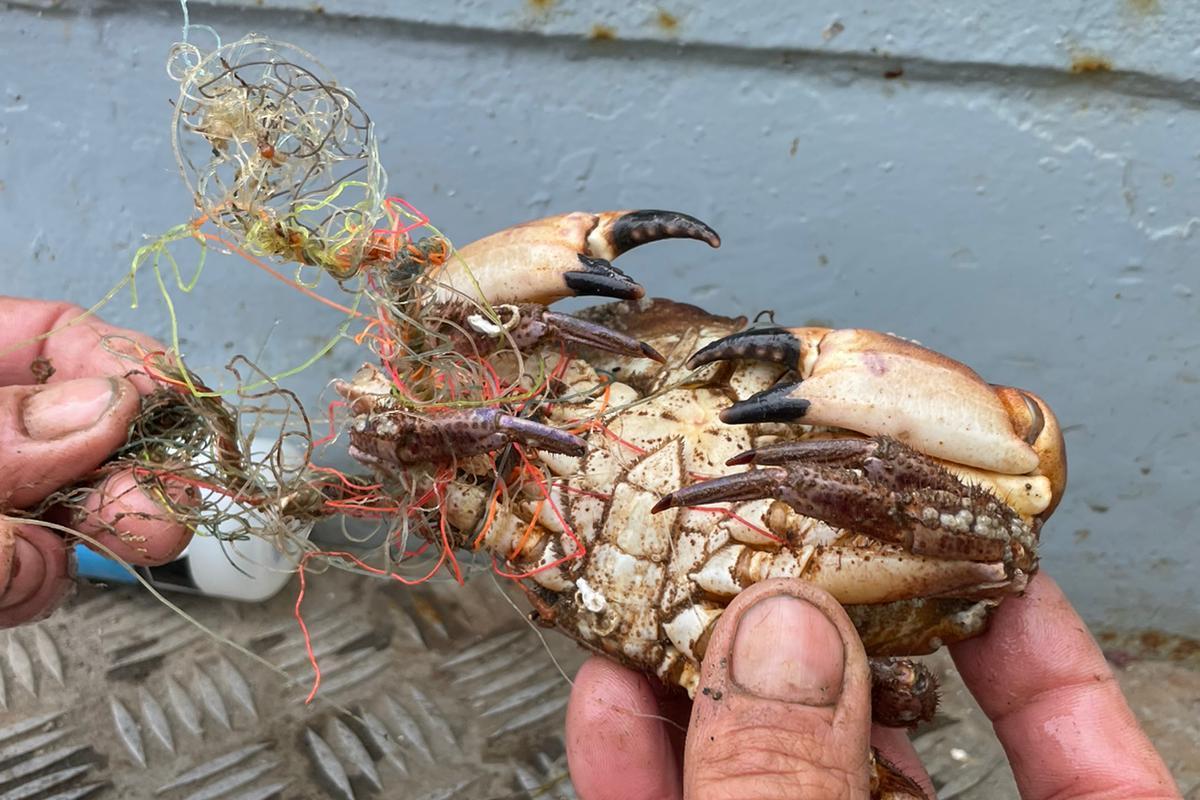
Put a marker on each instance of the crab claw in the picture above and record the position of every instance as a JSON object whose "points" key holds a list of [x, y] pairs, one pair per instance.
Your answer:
{"points": [[563, 256], [783, 402], [876, 384], [400, 438], [779, 345]]}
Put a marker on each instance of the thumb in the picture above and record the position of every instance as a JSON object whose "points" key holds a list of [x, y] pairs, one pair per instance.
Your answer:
{"points": [[55, 434], [783, 709]]}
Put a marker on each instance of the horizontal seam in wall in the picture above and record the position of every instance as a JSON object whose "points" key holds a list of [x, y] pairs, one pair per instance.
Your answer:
{"points": [[883, 67]]}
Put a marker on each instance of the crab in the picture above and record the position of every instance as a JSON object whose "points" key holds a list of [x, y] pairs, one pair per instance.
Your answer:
{"points": [[681, 456]]}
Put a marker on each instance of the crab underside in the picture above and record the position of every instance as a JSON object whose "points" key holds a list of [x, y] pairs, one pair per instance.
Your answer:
{"points": [[683, 457]]}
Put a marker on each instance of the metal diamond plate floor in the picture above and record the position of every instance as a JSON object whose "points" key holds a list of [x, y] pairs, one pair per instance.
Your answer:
{"points": [[442, 692]]}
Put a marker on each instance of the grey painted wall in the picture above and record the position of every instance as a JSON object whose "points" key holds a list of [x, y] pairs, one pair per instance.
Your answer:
{"points": [[1034, 221]]}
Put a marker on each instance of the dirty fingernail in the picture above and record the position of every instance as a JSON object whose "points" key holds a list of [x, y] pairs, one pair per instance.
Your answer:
{"points": [[28, 569], [787, 649], [69, 407]]}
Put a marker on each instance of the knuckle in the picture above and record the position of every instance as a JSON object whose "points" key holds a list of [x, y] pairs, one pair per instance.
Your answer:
{"points": [[66, 312]]}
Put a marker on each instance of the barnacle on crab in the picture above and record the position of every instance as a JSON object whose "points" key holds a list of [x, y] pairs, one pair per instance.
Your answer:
{"points": [[678, 458]]}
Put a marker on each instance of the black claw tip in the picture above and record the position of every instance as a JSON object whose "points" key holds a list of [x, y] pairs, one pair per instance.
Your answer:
{"points": [[664, 504], [599, 278], [777, 345], [639, 227], [744, 457], [773, 405], [652, 354]]}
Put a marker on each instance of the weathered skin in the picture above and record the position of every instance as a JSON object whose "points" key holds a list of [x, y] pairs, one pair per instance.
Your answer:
{"points": [[891, 476]]}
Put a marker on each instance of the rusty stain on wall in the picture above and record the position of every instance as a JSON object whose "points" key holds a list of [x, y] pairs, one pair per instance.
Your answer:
{"points": [[1089, 63], [1145, 7], [602, 33]]}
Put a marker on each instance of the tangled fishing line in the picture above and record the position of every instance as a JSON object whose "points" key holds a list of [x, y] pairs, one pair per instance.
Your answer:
{"points": [[284, 169], [284, 162]]}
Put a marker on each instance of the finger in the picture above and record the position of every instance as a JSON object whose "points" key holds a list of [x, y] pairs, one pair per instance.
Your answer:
{"points": [[36, 573], [53, 435], [617, 745], [895, 746], [81, 349], [784, 709], [1042, 680], [135, 524]]}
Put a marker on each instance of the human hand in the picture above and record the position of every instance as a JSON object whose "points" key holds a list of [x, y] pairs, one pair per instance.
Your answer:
{"points": [[784, 709], [53, 435]]}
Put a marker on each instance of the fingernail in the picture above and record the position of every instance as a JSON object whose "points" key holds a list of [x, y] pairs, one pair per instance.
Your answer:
{"points": [[69, 407], [787, 649], [28, 569]]}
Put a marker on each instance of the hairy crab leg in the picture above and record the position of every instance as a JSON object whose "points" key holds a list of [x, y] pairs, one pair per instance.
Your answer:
{"points": [[883, 460], [968, 524], [904, 692], [400, 438], [558, 257], [889, 783]]}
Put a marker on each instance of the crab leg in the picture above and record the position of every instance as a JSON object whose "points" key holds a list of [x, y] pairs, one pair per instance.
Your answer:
{"points": [[966, 523], [889, 783], [529, 324], [562, 256], [588, 333], [903, 692], [878, 384], [885, 461], [400, 438]]}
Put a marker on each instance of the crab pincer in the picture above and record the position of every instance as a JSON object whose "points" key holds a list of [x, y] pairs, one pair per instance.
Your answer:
{"points": [[876, 384], [562, 256], [401, 438]]}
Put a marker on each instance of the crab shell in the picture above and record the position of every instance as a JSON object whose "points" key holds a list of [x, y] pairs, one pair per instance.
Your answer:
{"points": [[646, 588]]}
